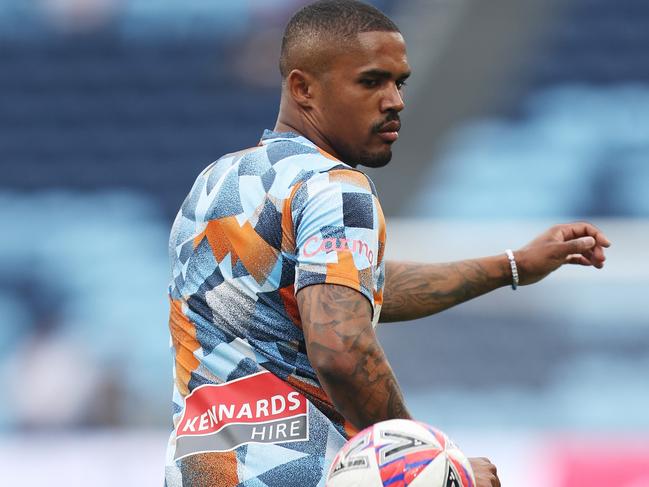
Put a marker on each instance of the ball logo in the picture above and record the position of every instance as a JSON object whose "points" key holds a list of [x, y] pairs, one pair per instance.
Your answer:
{"points": [[353, 459], [316, 244], [401, 444]]}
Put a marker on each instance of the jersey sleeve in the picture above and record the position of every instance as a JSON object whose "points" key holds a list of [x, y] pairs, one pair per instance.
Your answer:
{"points": [[338, 234]]}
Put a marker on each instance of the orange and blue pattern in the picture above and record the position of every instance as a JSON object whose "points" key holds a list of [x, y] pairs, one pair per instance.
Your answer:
{"points": [[257, 227]]}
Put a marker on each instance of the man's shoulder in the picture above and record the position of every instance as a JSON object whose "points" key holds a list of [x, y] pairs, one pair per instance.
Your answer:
{"points": [[231, 158], [297, 152], [281, 155], [312, 163], [287, 162]]}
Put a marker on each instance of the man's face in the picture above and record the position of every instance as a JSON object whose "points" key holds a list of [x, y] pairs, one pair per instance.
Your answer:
{"points": [[361, 97]]}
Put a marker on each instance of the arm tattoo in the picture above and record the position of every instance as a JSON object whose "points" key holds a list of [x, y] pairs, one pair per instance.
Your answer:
{"points": [[416, 290], [344, 351]]}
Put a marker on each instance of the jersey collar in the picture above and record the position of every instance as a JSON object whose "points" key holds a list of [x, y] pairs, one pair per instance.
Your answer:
{"points": [[272, 136]]}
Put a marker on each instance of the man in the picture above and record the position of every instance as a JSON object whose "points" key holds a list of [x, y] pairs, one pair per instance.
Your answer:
{"points": [[279, 275]]}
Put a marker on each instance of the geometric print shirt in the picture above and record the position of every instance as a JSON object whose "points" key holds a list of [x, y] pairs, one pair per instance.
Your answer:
{"points": [[256, 227]]}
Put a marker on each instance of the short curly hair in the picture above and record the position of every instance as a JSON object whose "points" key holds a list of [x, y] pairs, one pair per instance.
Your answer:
{"points": [[329, 21]]}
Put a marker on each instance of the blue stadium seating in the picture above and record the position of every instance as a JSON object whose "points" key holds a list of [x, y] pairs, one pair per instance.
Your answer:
{"points": [[568, 145], [577, 153]]}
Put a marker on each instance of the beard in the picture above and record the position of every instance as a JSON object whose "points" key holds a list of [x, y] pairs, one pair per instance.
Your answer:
{"points": [[382, 157], [376, 159], [373, 159]]}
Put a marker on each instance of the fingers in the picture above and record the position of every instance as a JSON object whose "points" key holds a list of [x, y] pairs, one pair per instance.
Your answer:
{"points": [[578, 246], [577, 259], [485, 472], [583, 252], [572, 231], [581, 234], [596, 257]]}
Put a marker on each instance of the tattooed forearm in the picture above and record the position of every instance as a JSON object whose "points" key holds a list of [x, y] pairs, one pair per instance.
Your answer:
{"points": [[416, 290], [343, 349]]}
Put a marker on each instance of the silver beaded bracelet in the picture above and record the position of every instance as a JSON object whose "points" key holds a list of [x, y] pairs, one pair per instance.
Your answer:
{"points": [[512, 264]]}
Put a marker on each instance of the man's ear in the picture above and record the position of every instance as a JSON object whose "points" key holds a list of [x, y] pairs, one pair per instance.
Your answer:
{"points": [[300, 85]]}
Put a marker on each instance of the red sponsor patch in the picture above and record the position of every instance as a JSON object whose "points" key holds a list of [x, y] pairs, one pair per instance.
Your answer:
{"points": [[258, 408], [251, 399]]}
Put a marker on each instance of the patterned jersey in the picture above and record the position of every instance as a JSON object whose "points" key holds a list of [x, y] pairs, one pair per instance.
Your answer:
{"points": [[256, 227]]}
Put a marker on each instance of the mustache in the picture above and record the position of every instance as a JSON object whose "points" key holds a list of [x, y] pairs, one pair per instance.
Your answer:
{"points": [[393, 116]]}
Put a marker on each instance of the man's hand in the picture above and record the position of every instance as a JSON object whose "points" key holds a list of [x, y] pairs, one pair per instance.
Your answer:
{"points": [[574, 243], [485, 472]]}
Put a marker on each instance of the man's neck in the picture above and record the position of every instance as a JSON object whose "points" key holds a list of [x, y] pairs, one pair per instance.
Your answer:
{"points": [[285, 127], [305, 129]]}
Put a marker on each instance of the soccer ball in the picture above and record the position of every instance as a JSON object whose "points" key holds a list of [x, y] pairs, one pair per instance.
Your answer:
{"points": [[400, 453]]}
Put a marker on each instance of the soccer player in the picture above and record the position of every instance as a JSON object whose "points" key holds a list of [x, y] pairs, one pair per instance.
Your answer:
{"points": [[279, 276]]}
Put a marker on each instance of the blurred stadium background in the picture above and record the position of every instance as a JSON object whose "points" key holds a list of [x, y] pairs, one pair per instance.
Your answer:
{"points": [[522, 113]]}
